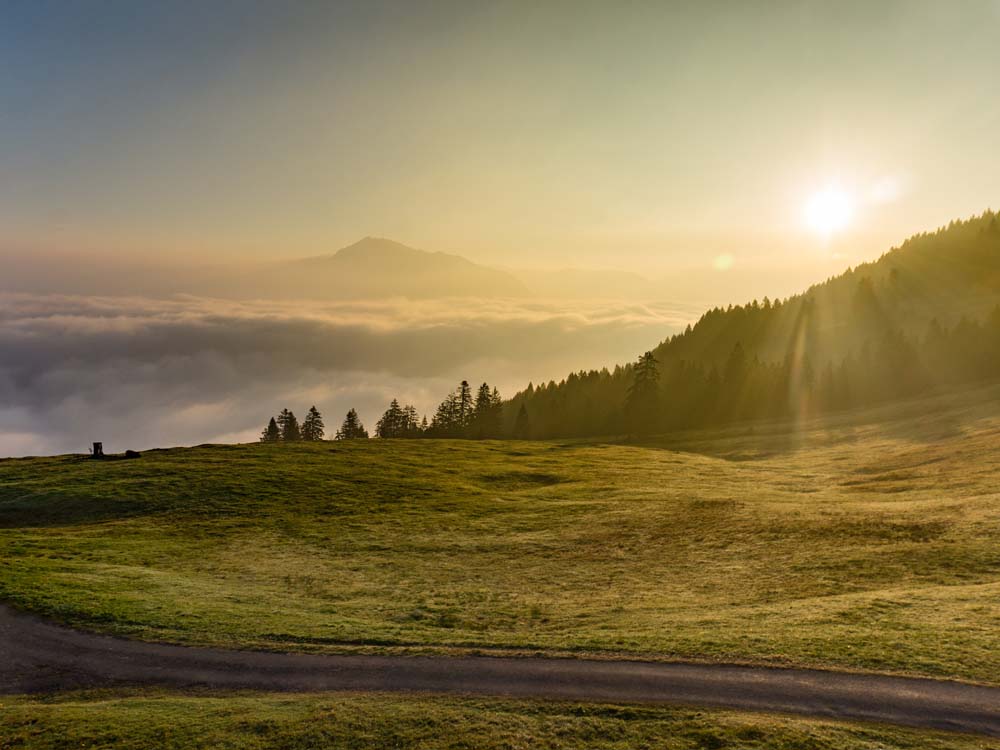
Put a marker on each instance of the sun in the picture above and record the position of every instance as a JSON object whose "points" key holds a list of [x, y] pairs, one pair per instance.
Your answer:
{"points": [[829, 211]]}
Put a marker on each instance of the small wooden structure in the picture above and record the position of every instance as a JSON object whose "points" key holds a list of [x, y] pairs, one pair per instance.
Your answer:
{"points": [[98, 451]]}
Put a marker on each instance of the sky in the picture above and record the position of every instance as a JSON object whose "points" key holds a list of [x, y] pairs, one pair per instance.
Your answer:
{"points": [[150, 151], [651, 137]]}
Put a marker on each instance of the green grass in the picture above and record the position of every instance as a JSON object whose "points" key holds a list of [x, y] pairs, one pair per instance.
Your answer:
{"points": [[163, 721], [849, 543]]}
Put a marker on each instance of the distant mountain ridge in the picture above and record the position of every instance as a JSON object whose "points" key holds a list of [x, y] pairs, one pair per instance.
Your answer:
{"points": [[379, 267]]}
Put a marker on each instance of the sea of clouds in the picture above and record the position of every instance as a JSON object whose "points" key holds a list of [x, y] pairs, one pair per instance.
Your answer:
{"points": [[141, 373]]}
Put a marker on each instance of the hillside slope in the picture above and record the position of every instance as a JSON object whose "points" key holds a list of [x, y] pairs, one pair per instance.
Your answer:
{"points": [[924, 314], [850, 542]]}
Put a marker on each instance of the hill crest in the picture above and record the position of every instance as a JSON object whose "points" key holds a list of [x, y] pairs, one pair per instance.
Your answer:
{"points": [[926, 313]]}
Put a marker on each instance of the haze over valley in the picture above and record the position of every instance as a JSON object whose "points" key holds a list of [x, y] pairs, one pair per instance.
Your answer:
{"points": [[153, 355], [456, 374], [195, 354], [143, 372]]}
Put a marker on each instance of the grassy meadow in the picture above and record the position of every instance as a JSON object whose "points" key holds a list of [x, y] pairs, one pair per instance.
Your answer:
{"points": [[140, 720], [866, 541]]}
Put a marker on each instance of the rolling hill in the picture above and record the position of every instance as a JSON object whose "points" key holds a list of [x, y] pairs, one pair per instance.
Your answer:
{"points": [[847, 542]]}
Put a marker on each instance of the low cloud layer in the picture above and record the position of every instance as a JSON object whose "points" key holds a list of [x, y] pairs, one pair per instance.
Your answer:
{"points": [[139, 373]]}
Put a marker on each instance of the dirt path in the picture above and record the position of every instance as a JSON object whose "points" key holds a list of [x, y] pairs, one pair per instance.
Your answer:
{"points": [[38, 656]]}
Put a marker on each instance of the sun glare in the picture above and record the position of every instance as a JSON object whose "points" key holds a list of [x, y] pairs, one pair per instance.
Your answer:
{"points": [[829, 211]]}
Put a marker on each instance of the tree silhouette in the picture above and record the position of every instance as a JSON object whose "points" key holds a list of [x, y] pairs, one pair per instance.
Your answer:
{"points": [[486, 413], [455, 414], [393, 422], [398, 422], [271, 433], [464, 405], [289, 426], [351, 429], [445, 420], [313, 428], [412, 425], [642, 398]]}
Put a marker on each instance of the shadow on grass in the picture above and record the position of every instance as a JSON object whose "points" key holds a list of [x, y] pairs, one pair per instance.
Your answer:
{"points": [[46, 507], [519, 480], [42, 511]]}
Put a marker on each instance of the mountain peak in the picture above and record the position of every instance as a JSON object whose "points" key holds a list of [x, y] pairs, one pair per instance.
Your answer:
{"points": [[380, 246], [380, 267]]}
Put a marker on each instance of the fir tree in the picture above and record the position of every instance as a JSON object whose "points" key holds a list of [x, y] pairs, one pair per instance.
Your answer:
{"points": [[271, 433], [412, 426], [351, 429], [642, 398], [289, 426], [482, 404], [486, 413], [455, 414], [445, 420], [394, 423], [481, 412], [313, 428], [494, 424], [464, 405]]}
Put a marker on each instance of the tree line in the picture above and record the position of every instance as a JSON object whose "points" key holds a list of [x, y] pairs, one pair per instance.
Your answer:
{"points": [[661, 394], [924, 315], [286, 428], [653, 395], [460, 415]]}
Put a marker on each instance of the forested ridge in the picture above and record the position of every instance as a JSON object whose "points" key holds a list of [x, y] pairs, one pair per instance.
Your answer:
{"points": [[924, 314]]}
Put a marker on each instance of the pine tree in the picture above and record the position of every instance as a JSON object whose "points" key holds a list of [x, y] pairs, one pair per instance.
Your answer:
{"points": [[351, 429], [271, 433], [522, 426], [495, 422], [464, 406], [443, 421], [394, 422], [642, 397], [289, 426], [487, 413], [481, 413], [313, 428], [482, 399], [454, 415], [412, 426]]}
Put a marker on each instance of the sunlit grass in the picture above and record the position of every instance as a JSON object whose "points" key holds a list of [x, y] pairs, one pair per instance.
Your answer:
{"points": [[851, 544], [164, 720]]}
